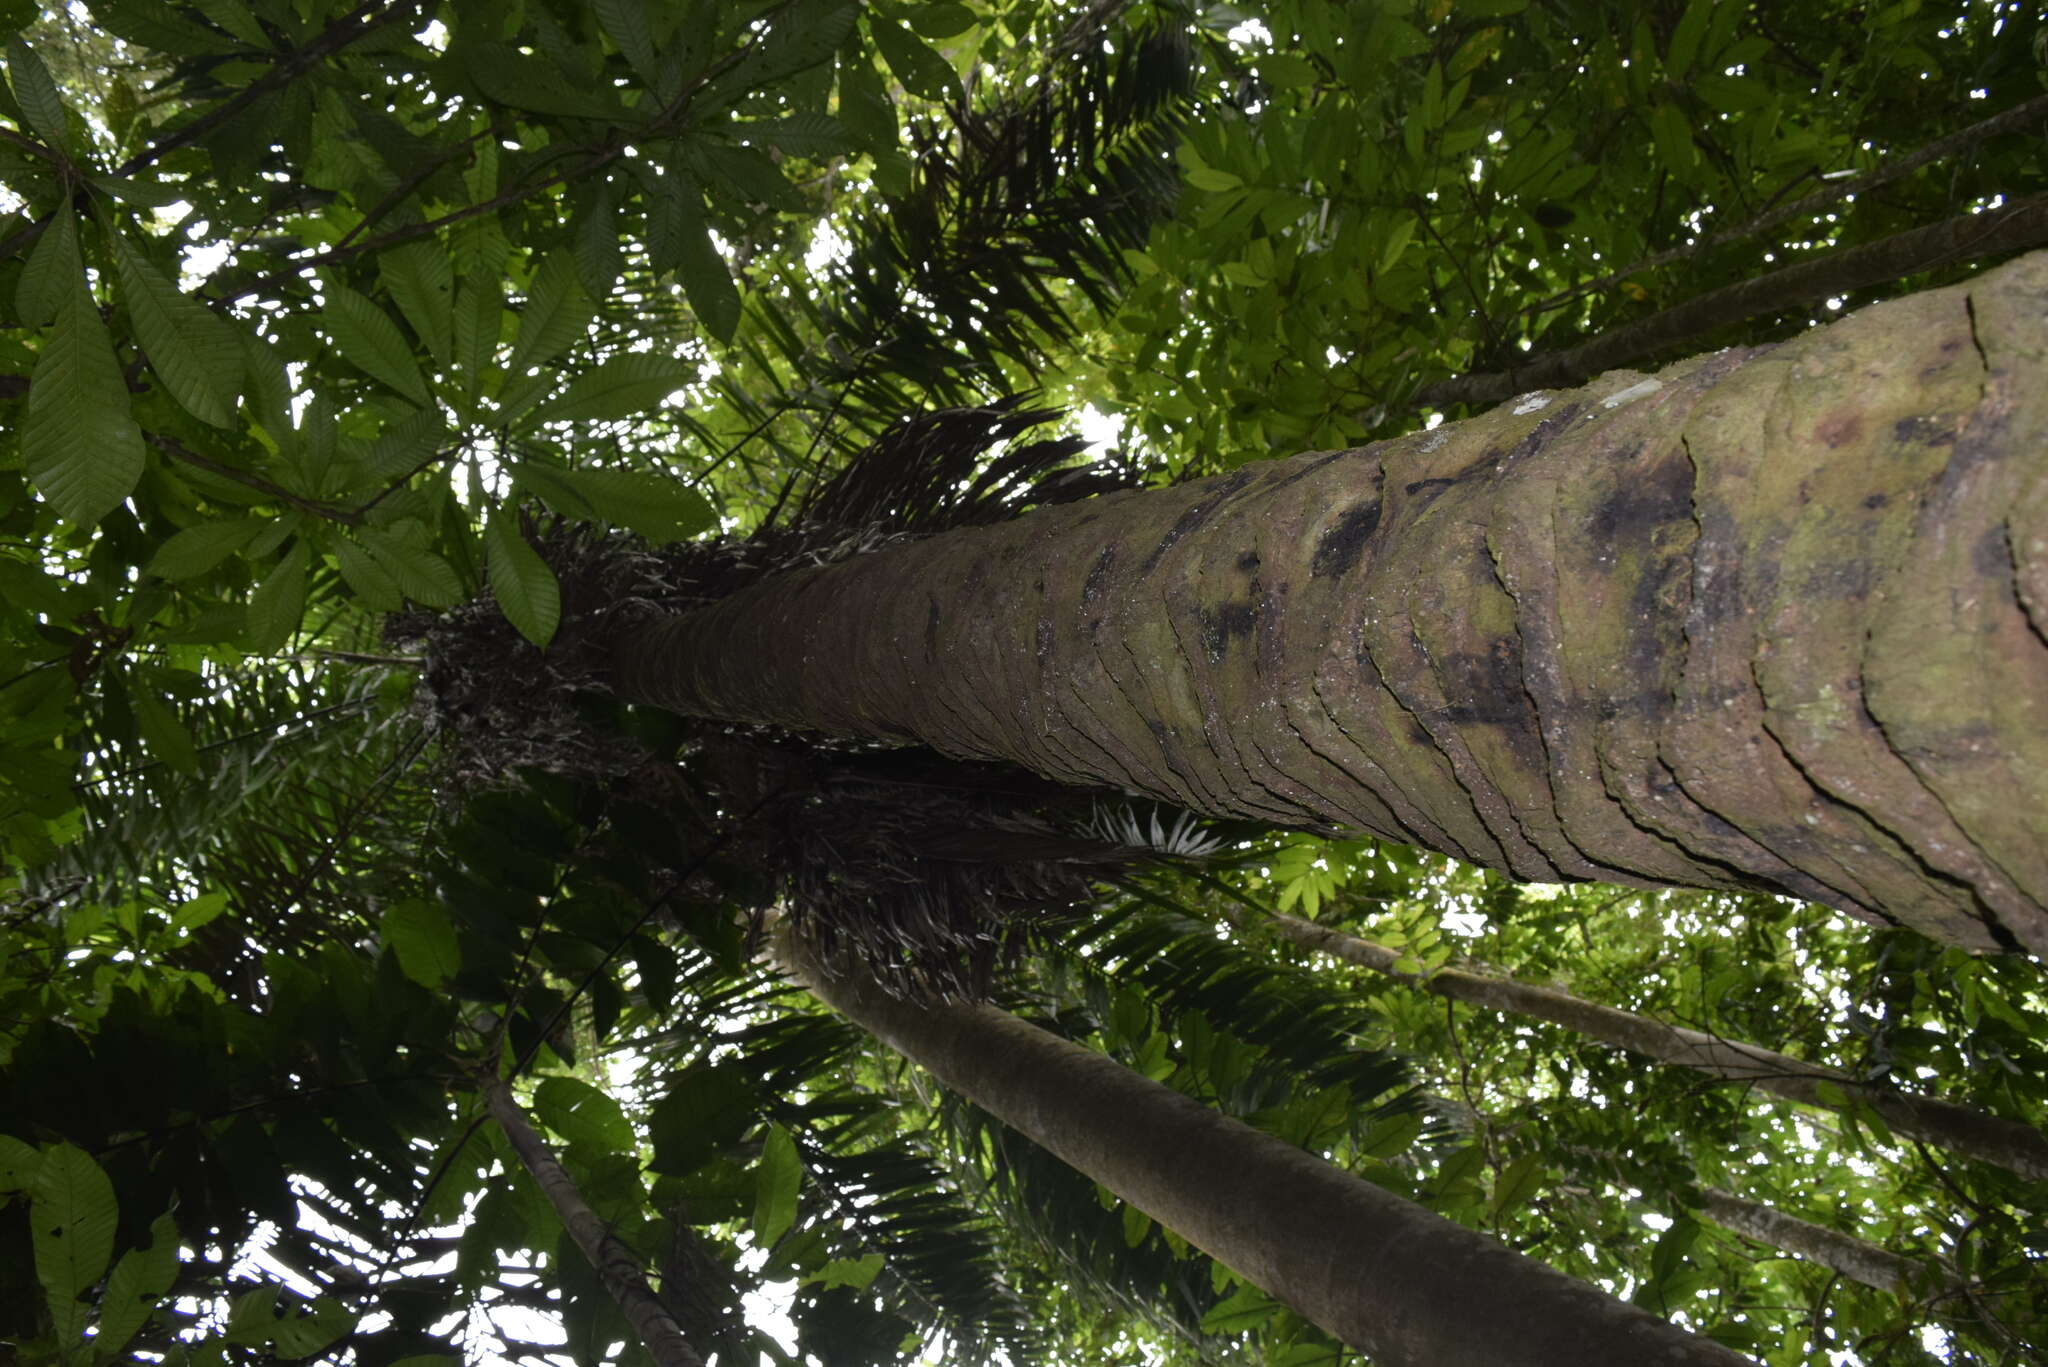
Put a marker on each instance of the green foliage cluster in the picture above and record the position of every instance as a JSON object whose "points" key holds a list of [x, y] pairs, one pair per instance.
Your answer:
{"points": [[315, 312]]}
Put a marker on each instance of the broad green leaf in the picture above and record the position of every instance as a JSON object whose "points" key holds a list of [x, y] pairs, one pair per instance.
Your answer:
{"points": [[857, 1273], [47, 274], [166, 735], [1243, 1309], [82, 448], [420, 574], [526, 589], [585, 1117], [802, 134], [37, 96], [597, 247], [625, 23], [556, 313], [1397, 241], [1390, 1136], [479, 316], [366, 336], [420, 934], [620, 387], [708, 1107], [138, 1281], [71, 1228], [235, 18], [18, 1164], [278, 603], [1517, 1182], [707, 280], [747, 174], [305, 1334], [421, 281], [196, 550], [189, 916], [512, 78], [776, 1180], [942, 19], [369, 580], [921, 70], [191, 349], [657, 507]]}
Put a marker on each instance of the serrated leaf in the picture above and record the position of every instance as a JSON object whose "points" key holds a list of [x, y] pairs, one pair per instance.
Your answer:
{"points": [[82, 449], [421, 935], [37, 96], [71, 1219], [556, 313], [657, 507], [370, 341], [584, 1116], [420, 574], [479, 316], [163, 732], [48, 272], [138, 1281], [194, 352], [512, 78], [748, 173], [196, 550], [620, 387], [597, 251], [921, 70], [369, 580], [801, 135], [421, 282], [776, 1181], [520, 580], [625, 23], [278, 603]]}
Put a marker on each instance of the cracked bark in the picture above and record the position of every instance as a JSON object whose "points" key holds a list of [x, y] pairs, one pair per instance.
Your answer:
{"points": [[1768, 620]]}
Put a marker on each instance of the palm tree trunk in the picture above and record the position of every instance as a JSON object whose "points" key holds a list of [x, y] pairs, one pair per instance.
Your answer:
{"points": [[1961, 1129], [1775, 619], [1405, 1286]]}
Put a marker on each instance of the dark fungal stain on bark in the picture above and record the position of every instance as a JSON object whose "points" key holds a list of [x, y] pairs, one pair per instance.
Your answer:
{"points": [[1924, 432], [1338, 549], [1098, 573], [1194, 517], [1227, 625]]}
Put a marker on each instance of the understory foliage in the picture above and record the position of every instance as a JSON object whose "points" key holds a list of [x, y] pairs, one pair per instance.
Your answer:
{"points": [[350, 352]]}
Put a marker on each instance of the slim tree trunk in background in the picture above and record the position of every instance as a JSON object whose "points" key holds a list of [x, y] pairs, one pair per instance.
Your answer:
{"points": [[1775, 619], [1382, 1274], [617, 1266], [2008, 1143], [1857, 1259]]}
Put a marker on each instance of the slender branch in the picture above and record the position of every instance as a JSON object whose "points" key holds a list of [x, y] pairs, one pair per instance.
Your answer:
{"points": [[1834, 192], [2010, 227], [253, 481], [620, 1271], [358, 23], [2018, 1147]]}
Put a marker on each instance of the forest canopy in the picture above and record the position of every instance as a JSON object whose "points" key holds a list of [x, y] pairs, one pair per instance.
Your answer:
{"points": [[380, 985]]}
